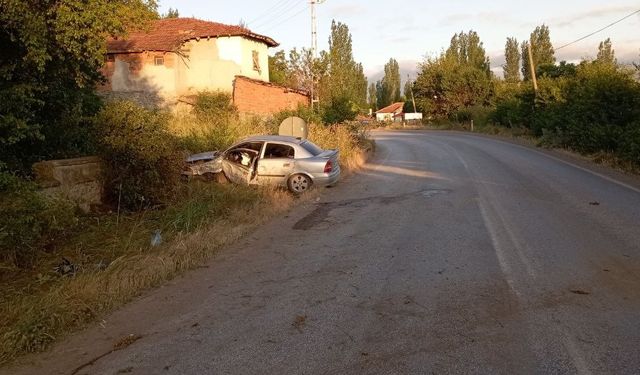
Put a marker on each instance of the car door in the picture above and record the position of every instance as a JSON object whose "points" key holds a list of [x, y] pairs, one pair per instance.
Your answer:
{"points": [[276, 163], [238, 165]]}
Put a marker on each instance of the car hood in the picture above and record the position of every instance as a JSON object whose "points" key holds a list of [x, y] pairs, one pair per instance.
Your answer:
{"points": [[203, 156]]}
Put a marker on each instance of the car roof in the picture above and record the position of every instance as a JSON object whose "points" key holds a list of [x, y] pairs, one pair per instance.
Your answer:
{"points": [[272, 138]]}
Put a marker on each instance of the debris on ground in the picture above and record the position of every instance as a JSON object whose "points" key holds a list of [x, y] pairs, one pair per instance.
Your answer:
{"points": [[594, 203], [578, 291], [299, 322], [66, 267]]}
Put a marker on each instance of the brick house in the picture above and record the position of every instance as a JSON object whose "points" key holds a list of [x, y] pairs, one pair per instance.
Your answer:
{"points": [[393, 112], [178, 57]]}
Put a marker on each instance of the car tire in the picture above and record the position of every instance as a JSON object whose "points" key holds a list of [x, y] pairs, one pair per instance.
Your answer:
{"points": [[299, 183]]}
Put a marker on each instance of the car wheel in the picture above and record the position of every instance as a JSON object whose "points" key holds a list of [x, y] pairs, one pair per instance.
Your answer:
{"points": [[299, 183]]}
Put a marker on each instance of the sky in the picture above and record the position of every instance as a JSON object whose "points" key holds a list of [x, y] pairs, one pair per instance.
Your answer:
{"points": [[411, 30]]}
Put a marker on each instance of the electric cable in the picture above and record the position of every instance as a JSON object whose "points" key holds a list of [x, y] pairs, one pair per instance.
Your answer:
{"points": [[597, 31]]}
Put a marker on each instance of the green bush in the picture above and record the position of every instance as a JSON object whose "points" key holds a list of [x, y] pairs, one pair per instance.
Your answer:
{"points": [[339, 110], [142, 158], [210, 104], [29, 221]]}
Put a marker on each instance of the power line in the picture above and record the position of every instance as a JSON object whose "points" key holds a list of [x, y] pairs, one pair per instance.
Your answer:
{"points": [[270, 10], [597, 31], [276, 21], [286, 19]]}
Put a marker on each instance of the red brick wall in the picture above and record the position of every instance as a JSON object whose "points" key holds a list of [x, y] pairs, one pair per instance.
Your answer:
{"points": [[263, 98]]}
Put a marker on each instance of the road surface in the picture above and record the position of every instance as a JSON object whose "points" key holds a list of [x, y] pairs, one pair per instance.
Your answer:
{"points": [[448, 253]]}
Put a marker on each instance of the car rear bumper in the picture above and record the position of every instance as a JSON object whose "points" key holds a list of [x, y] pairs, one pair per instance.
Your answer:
{"points": [[327, 179]]}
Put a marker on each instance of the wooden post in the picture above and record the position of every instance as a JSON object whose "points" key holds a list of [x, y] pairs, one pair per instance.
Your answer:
{"points": [[472, 125], [533, 68]]}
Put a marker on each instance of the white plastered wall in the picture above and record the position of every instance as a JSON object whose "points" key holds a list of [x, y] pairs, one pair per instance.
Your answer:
{"points": [[212, 64]]}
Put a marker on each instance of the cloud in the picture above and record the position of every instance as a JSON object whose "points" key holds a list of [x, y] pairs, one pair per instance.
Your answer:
{"points": [[347, 10], [600, 13], [470, 18], [409, 67]]}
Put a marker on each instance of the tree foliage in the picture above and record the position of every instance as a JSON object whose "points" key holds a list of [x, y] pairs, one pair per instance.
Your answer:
{"points": [[51, 53], [390, 84], [372, 96], [541, 50], [511, 68], [606, 53], [171, 13], [457, 79], [347, 79]]}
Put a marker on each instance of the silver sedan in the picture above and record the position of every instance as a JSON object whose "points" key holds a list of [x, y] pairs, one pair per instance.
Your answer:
{"points": [[295, 163]]}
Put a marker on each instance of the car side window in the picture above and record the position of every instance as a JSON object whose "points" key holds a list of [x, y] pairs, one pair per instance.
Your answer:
{"points": [[256, 146], [275, 150]]}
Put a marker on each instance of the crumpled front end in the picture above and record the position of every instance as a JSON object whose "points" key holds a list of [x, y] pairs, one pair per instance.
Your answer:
{"points": [[203, 163]]}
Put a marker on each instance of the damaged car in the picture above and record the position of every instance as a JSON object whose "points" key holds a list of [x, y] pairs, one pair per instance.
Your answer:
{"points": [[291, 162]]}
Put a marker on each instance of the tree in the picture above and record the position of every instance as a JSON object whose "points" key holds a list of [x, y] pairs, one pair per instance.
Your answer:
{"points": [[511, 67], [373, 100], [458, 78], [279, 69], [171, 13], [467, 49], [606, 53], [51, 53], [541, 50], [390, 83], [347, 77]]}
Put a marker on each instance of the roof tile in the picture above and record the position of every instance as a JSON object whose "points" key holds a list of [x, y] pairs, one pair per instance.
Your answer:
{"points": [[168, 34]]}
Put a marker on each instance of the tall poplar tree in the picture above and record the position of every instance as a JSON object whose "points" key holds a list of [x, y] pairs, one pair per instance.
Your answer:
{"points": [[606, 53], [541, 50], [511, 67]]}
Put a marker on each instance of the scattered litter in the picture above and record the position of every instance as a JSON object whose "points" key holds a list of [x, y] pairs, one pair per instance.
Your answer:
{"points": [[578, 291], [299, 322], [195, 325], [66, 267], [594, 203], [364, 354], [156, 238], [605, 269]]}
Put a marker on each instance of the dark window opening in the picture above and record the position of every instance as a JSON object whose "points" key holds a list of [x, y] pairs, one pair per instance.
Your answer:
{"points": [[158, 60], [274, 150]]}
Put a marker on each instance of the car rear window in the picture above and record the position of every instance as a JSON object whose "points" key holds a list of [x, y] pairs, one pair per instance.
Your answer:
{"points": [[311, 148]]}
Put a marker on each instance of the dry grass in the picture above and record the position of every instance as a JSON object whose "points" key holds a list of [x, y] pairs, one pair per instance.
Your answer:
{"points": [[116, 261], [32, 321]]}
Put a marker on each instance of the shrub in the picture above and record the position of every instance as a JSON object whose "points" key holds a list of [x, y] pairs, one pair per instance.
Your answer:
{"points": [[142, 161], [339, 110], [214, 104], [30, 221]]}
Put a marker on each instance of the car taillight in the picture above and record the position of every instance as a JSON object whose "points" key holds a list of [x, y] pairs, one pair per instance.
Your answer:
{"points": [[328, 167]]}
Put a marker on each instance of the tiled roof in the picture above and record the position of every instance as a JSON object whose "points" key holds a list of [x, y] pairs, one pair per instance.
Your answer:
{"points": [[168, 34], [393, 108]]}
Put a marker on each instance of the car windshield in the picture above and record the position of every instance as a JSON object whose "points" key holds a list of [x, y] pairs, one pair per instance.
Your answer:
{"points": [[311, 148]]}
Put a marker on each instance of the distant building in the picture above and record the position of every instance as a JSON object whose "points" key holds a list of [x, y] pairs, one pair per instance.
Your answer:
{"points": [[178, 57], [390, 113]]}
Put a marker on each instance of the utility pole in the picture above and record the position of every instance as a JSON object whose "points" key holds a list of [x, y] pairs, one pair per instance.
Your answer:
{"points": [[413, 98], [532, 68], [314, 48]]}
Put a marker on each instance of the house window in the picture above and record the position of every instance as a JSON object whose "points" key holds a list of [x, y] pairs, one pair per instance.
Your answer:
{"points": [[256, 61], [158, 60], [110, 58]]}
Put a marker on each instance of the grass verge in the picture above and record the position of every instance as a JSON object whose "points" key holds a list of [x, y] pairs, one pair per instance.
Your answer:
{"points": [[114, 260]]}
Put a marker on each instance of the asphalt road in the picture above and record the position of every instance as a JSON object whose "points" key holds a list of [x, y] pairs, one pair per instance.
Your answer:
{"points": [[448, 253]]}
